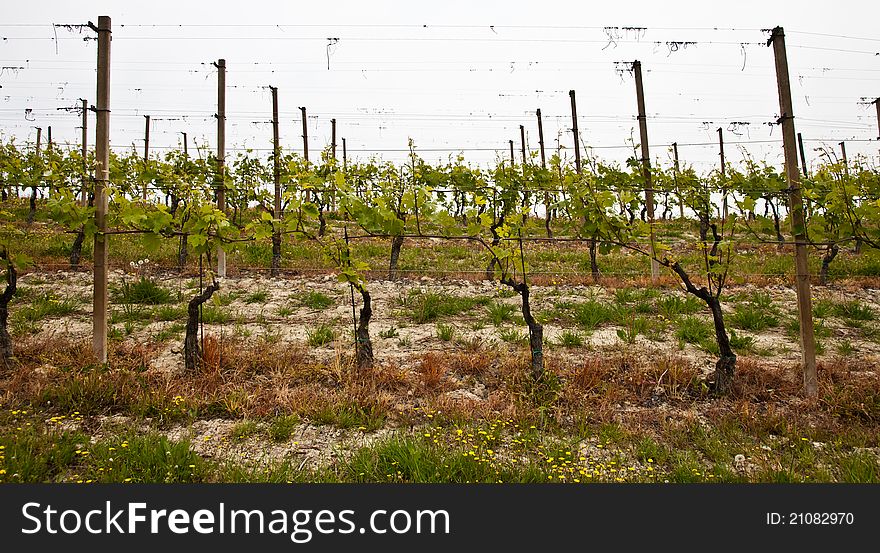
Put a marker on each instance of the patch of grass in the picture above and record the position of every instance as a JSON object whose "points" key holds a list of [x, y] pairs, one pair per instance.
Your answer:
{"points": [[169, 313], [741, 343], [212, 314], [500, 313], [513, 336], [693, 330], [426, 307], [853, 310], [823, 308], [445, 331], [753, 317], [569, 339], [35, 455], [591, 314], [859, 468], [244, 429], [260, 296], [169, 332], [845, 347], [285, 311], [390, 332], [315, 300], [321, 335], [368, 417], [142, 291], [144, 458], [632, 328], [45, 306], [281, 428], [674, 306]]}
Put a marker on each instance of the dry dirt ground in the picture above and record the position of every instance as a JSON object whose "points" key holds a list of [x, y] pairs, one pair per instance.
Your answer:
{"points": [[281, 318]]}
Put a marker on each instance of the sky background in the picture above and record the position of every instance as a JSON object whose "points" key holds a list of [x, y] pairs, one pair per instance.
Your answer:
{"points": [[455, 76]]}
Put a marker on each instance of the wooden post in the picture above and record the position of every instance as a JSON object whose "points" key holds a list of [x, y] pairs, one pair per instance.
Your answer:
{"points": [[49, 139], [333, 142], [522, 139], [305, 135], [512, 160], [146, 149], [843, 158], [877, 105], [646, 163], [724, 208], [102, 177], [185, 145], [675, 174], [276, 173], [85, 152], [221, 155], [39, 139], [574, 131], [344, 155], [541, 138], [796, 210]]}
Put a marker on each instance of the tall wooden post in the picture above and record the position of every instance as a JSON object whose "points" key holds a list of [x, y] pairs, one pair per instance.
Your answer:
{"points": [[185, 145], [877, 105], [276, 173], [102, 177], [146, 150], [724, 208], [39, 139], [541, 137], [221, 155], [49, 139], [522, 140], [333, 150], [85, 152], [305, 135], [344, 155], [796, 210], [512, 160], [675, 174], [646, 163], [574, 131], [843, 158]]}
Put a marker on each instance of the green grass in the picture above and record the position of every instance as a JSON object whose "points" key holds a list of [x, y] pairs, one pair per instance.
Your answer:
{"points": [[673, 306], [693, 330], [427, 307], [141, 291], [853, 310], [570, 339], [45, 306], [500, 313], [752, 317], [168, 313], [592, 314], [321, 335], [513, 336], [281, 428], [390, 332], [260, 296], [315, 300], [445, 331], [212, 314]]}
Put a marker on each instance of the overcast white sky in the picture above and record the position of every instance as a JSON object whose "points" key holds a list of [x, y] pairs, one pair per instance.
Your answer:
{"points": [[453, 75]]}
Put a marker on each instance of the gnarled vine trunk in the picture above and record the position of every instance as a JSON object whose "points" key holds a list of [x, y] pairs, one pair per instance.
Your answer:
{"points": [[726, 364], [276, 253], [6, 350], [536, 330], [192, 351], [362, 334], [396, 244], [594, 263], [830, 253], [76, 249]]}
